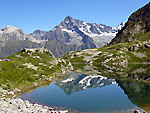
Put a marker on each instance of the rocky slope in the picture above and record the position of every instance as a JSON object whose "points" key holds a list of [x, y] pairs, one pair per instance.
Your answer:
{"points": [[16, 105], [137, 25]]}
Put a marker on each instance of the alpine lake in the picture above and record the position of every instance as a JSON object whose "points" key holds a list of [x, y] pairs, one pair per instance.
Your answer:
{"points": [[98, 89]]}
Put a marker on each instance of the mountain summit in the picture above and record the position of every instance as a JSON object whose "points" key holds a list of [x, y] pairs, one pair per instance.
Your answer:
{"points": [[68, 19], [79, 33], [12, 33]]}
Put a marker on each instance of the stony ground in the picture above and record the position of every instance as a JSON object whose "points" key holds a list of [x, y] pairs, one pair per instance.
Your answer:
{"points": [[17, 105]]}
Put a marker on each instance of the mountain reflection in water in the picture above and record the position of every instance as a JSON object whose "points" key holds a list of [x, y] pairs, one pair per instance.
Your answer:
{"points": [[133, 79], [122, 90], [75, 82]]}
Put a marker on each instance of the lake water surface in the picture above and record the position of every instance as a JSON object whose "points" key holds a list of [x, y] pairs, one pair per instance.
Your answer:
{"points": [[83, 93]]}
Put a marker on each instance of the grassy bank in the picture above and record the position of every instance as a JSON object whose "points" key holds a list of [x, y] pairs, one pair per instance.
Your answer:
{"points": [[30, 69]]}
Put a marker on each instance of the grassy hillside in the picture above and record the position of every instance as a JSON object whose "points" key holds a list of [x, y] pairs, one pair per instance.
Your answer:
{"points": [[30, 68], [119, 54]]}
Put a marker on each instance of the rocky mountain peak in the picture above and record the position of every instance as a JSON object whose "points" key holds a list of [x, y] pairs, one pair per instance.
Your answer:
{"points": [[79, 33], [37, 32], [9, 28], [12, 33], [69, 22], [68, 19]]}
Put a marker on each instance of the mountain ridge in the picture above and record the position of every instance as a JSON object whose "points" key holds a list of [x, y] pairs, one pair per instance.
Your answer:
{"points": [[71, 31], [137, 25], [70, 35]]}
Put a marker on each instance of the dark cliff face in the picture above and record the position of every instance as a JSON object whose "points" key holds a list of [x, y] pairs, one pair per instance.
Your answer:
{"points": [[137, 25]]}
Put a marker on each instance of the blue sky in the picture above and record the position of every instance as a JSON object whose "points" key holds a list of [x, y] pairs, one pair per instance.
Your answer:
{"points": [[30, 15]]}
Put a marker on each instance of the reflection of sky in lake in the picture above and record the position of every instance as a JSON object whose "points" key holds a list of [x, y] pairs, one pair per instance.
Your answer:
{"points": [[105, 99]]}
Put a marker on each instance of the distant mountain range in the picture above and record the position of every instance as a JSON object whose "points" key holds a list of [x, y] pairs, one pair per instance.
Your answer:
{"points": [[69, 35], [75, 82], [79, 33]]}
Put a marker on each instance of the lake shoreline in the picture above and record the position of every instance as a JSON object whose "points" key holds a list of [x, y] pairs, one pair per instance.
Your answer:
{"points": [[45, 92], [8, 97], [17, 105], [31, 107]]}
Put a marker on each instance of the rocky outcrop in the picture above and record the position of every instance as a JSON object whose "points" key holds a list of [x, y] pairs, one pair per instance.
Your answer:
{"points": [[147, 45], [135, 47], [39, 50], [137, 25]]}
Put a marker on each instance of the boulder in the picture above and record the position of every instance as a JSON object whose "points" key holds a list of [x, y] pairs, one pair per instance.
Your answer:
{"points": [[135, 47], [147, 45]]}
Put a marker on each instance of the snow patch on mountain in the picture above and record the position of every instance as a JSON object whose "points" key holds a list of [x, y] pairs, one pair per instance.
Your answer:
{"points": [[119, 27], [66, 30], [68, 80], [73, 32]]}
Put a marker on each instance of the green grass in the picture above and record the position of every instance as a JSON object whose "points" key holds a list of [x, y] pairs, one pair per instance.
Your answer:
{"points": [[115, 50], [22, 77], [77, 60], [145, 37]]}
